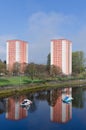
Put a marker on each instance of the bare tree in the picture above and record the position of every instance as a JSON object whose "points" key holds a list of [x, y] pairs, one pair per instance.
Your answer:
{"points": [[55, 70], [16, 68]]}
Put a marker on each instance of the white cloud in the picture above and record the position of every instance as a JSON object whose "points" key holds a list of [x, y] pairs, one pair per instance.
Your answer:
{"points": [[42, 28]]}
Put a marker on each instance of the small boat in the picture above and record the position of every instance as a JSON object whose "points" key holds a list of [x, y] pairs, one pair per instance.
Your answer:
{"points": [[25, 107], [26, 102], [67, 99]]}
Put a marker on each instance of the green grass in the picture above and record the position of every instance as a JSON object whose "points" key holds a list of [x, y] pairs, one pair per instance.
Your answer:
{"points": [[35, 85], [17, 80], [11, 80]]}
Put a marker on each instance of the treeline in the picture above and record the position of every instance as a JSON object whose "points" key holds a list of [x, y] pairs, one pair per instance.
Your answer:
{"points": [[42, 71], [78, 62], [2, 67]]}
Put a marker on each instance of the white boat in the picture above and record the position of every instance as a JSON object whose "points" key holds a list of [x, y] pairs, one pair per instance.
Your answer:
{"points": [[26, 107], [67, 99], [26, 102]]}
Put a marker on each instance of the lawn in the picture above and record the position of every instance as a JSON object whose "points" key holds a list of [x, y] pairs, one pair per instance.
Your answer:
{"points": [[13, 80], [17, 80]]}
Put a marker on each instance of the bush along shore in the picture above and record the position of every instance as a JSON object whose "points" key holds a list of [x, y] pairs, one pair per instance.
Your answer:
{"points": [[14, 85]]}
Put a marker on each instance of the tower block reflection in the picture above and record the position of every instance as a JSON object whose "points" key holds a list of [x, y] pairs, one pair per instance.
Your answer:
{"points": [[61, 112], [13, 109]]}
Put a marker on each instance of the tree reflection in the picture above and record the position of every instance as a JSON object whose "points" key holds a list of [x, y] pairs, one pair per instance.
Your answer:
{"points": [[2, 106], [53, 97], [78, 101]]}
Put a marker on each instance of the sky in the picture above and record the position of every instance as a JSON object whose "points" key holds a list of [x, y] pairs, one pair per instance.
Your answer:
{"points": [[40, 21]]}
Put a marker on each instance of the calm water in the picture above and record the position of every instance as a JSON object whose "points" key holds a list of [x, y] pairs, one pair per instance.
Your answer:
{"points": [[47, 112]]}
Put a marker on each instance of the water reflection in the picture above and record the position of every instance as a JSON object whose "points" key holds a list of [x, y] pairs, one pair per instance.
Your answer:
{"points": [[60, 112], [13, 109], [2, 106], [78, 95]]}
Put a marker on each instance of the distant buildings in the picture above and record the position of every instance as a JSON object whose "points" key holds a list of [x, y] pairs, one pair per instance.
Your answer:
{"points": [[17, 52], [61, 55]]}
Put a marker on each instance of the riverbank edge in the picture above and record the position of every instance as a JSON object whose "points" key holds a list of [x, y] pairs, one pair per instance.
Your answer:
{"points": [[12, 90]]}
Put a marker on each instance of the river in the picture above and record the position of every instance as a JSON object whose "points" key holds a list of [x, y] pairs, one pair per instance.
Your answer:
{"points": [[47, 111]]}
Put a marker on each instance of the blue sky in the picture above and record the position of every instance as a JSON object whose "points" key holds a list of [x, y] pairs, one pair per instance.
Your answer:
{"points": [[39, 21]]}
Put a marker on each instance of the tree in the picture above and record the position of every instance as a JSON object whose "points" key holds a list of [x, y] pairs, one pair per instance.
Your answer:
{"points": [[31, 70], [78, 62], [16, 68], [55, 70], [2, 67], [48, 63], [41, 72]]}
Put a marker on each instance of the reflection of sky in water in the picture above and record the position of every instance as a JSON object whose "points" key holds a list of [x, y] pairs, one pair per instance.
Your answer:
{"points": [[39, 114]]}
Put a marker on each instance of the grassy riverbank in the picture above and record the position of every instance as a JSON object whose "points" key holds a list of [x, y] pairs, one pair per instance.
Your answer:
{"points": [[17, 80], [14, 85], [24, 80]]}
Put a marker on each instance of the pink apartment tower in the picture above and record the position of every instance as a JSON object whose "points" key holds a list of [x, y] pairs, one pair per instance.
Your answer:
{"points": [[17, 52], [61, 55]]}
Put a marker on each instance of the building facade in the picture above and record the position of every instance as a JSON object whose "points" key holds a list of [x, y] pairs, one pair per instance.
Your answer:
{"points": [[17, 52], [61, 55]]}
